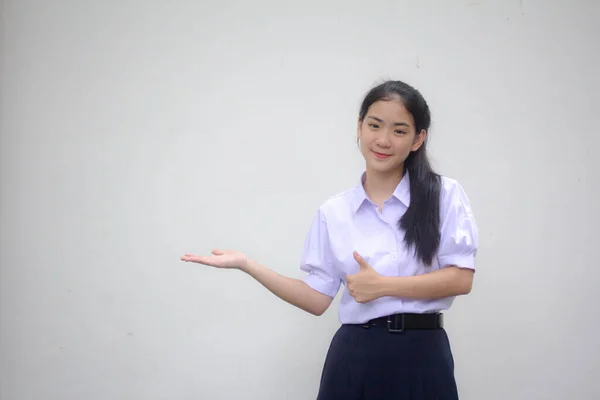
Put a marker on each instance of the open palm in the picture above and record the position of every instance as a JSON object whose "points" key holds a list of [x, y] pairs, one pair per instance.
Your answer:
{"points": [[219, 259]]}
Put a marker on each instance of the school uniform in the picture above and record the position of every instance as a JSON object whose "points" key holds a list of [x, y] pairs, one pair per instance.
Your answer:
{"points": [[389, 348]]}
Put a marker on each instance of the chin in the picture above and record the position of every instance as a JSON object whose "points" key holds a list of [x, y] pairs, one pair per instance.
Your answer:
{"points": [[381, 168]]}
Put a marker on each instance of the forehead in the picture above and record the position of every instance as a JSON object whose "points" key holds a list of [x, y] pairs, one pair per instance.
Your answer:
{"points": [[390, 111]]}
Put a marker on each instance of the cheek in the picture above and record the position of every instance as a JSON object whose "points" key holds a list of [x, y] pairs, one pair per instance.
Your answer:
{"points": [[368, 137], [402, 151], [364, 150], [403, 146], [364, 143]]}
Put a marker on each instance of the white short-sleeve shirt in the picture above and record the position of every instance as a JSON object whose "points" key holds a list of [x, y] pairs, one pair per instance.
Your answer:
{"points": [[350, 221]]}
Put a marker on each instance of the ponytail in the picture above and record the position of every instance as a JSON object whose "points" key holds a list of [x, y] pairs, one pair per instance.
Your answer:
{"points": [[421, 222]]}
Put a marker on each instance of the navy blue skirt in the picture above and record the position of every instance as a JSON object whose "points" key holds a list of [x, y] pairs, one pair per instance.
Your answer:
{"points": [[374, 364]]}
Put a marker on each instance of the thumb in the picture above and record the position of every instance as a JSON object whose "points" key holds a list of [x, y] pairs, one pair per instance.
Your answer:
{"points": [[361, 261], [218, 252]]}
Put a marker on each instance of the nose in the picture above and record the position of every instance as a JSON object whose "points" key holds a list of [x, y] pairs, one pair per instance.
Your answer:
{"points": [[384, 139]]}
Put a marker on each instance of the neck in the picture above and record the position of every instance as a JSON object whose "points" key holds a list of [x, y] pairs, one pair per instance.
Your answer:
{"points": [[380, 186]]}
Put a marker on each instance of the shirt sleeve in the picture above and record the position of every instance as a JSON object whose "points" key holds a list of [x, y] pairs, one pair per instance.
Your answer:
{"points": [[459, 234], [317, 259]]}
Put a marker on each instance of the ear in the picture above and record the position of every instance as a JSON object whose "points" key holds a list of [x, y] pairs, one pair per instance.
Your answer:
{"points": [[419, 140], [358, 128]]}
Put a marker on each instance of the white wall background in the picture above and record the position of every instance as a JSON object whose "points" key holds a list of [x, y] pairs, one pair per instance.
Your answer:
{"points": [[135, 131]]}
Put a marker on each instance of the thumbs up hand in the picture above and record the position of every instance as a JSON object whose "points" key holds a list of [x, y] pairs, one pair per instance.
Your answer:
{"points": [[365, 285]]}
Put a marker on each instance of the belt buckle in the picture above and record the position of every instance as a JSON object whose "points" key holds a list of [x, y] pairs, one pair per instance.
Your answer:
{"points": [[392, 326]]}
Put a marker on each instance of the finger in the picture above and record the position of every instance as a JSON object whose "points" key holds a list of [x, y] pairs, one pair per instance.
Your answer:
{"points": [[351, 281], [189, 257], [361, 261], [218, 252], [201, 260]]}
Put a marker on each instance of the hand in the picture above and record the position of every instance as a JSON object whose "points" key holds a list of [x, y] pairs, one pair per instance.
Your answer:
{"points": [[365, 285], [220, 259]]}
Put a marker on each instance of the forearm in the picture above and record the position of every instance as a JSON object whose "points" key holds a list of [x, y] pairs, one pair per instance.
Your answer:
{"points": [[293, 291], [450, 281]]}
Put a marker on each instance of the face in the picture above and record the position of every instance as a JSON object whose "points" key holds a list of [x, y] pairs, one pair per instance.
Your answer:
{"points": [[387, 136]]}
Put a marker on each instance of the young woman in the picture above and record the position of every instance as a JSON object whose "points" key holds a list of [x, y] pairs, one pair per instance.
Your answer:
{"points": [[402, 242]]}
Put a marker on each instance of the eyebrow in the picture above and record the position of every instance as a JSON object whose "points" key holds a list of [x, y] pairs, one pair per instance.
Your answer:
{"points": [[395, 123]]}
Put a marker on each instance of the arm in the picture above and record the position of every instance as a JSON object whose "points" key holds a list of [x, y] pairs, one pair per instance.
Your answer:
{"points": [[446, 282], [368, 285], [314, 294], [293, 291]]}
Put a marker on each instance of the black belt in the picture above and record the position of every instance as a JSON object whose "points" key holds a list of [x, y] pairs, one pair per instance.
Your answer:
{"points": [[400, 322]]}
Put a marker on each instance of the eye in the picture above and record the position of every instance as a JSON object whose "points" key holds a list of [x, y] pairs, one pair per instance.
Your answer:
{"points": [[374, 126], [400, 132]]}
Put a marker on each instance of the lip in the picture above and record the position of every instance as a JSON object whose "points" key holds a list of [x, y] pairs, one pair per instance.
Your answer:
{"points": [[380, 155]]}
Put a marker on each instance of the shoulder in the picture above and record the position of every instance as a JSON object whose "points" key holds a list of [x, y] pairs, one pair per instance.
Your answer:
{"points": [[454, 196], [333, 212], [451, 188], [338, 205], [449, 184]]}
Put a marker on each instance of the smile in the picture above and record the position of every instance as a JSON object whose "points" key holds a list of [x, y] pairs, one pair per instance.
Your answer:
{"points": [[380, 155]]}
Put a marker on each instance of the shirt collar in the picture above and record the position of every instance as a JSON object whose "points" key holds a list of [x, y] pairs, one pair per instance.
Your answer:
{"points": [[402, 192]]}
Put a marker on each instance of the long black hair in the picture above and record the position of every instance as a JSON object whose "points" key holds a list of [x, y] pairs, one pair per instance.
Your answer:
{"points": [[421, 222]]}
